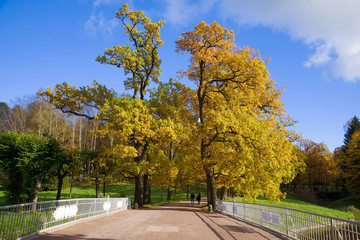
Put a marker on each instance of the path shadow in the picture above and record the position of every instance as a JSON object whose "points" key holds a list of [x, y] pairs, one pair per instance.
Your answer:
{"points": [[178, 206], [44, 236]]}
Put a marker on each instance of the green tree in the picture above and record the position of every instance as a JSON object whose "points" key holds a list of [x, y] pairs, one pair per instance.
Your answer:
{"points": [[27, 159], [350, 128]]}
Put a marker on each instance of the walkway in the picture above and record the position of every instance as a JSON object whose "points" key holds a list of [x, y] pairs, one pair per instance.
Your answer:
{"points": [[167, 222]]}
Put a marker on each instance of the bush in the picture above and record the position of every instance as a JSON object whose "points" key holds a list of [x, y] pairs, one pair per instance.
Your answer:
{"points": [[355, 211], [3, 178], [51, 183]]}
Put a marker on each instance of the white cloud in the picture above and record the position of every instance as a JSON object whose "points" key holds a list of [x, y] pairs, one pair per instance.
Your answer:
{"points": [[180, 12], [331, 27], [97, 23]]}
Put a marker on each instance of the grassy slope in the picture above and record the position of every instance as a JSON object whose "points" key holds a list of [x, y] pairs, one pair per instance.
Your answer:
{"points": [[295, 202], [347, 204]]}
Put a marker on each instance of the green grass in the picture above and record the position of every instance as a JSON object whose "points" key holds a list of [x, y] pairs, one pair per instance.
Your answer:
{"points": [[114, 190], [295, 202], [88, 191], [347, 204]]}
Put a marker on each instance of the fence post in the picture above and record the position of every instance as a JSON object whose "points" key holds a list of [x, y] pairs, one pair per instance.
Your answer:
{"points": [[107, 210], [332, 229], [234, 208], [94, 207], [77, 205], [244, 211], [129, 203], [287, 223]]}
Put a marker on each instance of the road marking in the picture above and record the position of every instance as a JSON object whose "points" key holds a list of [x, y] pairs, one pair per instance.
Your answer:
{"points": [[162, 229]]}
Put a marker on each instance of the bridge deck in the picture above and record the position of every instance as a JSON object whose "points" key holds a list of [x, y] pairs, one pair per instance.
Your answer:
{"points": [[170, 221]]}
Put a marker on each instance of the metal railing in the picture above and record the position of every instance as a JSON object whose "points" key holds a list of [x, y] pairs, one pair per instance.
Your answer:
{"points": [[24, 220], [293, 223]]}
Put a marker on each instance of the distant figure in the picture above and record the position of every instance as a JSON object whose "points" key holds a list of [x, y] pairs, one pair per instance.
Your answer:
{"points": [[192, 198], [198, 198]]}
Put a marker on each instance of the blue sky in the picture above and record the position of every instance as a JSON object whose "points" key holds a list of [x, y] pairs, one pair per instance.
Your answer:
{"points": [[314, 47]]}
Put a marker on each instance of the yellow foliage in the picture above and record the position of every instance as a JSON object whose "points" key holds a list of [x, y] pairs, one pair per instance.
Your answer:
{"points": [[242, 131]]}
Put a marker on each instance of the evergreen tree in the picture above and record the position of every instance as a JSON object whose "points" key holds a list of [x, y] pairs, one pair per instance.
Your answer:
{"points": [[350, 128]]}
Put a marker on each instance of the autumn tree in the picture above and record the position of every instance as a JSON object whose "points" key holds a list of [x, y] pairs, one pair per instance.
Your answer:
{"points": [[352, 165], [336, 170], [139, 58], [16, 118], [4, 108], [241, 132], [319, 164], [174, 101], [125, 120]]}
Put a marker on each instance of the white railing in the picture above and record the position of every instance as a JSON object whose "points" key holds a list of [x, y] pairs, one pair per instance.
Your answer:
{"points": [[293, 223], [24, 220]]}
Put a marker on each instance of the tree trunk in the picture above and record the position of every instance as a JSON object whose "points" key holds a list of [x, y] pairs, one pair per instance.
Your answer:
{"points": [[60, 177], [36, 189], [211, 186], [104, 185], [175, 190], [97, 185], [71, 185], [187, 191], [147, 184], [169, 193], [162, 189], [147, 189], [139, 182], [16, 193], [222, 193], [59, 186], [225, 193]]}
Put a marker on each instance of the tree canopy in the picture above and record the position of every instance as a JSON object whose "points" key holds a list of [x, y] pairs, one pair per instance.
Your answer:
{"points": [[242, 124], [27, 159]]}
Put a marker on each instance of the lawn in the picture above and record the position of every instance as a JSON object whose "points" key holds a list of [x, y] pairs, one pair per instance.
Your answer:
{"points": [[295, 202], [114, 191]]}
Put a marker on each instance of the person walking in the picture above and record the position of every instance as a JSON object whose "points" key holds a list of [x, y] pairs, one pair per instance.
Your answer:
{"points": [[192, 196], [198, 198]]}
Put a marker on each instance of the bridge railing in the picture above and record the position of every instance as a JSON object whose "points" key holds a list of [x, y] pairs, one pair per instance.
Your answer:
{"points": [[24, 220], [293, 223]]}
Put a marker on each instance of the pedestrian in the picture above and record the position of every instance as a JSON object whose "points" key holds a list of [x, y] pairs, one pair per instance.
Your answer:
{"points": [[192, 198], [198, 198]]}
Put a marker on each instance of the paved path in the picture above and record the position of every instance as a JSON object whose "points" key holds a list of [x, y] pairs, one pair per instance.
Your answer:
{"points": [[167, 222]]}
